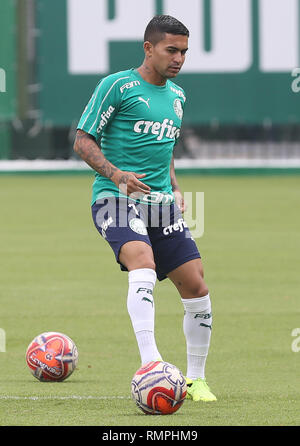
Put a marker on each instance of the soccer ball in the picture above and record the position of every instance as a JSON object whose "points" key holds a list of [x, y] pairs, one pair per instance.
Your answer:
{"points": [[158, 388], [52, 356]]}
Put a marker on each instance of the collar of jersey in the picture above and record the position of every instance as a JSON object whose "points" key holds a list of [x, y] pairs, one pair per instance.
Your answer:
{"points": [[156, 87]]}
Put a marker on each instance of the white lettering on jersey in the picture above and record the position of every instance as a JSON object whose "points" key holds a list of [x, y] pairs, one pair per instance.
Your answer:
{"points": [[165, 128], [129, 85], [178, 92], [105, 117]]}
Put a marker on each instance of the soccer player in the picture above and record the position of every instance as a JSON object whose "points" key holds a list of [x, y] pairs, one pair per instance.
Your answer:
{"points": [[127, 134]]}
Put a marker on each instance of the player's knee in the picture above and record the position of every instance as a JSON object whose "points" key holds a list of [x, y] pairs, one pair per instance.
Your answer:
{"points": [[149, 265], [141, 259], [139, 265], [196, 289], [197, 286], [144, 261], [137, 255]]}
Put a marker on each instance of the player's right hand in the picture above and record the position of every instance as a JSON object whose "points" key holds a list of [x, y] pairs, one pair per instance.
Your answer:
{"points": [[129, 183]]}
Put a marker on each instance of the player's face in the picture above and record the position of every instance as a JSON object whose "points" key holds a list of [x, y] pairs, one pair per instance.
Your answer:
{"points": [[168, 55]]}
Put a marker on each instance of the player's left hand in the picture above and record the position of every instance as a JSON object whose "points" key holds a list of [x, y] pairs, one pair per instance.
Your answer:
{"points": [[179, 200]]}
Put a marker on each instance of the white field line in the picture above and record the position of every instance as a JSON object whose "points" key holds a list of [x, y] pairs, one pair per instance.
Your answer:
{"points": [[57, 397], [39, 165]]}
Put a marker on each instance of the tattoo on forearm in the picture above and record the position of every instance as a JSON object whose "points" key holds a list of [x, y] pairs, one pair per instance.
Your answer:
{"points": [[124, 179], [87, 148], [107, 169]]}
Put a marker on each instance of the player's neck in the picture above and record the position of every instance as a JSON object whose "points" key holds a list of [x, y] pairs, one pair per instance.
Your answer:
{"points": [[151, 76]]}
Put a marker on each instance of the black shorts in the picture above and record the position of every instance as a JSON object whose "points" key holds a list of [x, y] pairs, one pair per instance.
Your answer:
{"points": [[120, 220]]}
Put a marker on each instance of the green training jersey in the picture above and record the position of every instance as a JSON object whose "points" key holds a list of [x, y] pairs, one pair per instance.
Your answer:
{"points": [[136, 124]]}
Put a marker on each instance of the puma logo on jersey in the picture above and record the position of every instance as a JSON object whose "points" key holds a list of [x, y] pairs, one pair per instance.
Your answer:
{"points": [[146, 102], [160, 129]]}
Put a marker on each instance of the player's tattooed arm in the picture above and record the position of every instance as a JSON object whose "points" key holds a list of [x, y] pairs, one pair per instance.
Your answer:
{"points": [[175, 188], [87, 148]]}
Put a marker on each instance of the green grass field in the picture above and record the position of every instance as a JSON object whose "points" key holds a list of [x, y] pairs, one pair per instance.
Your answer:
{"points": [[57, 274]]}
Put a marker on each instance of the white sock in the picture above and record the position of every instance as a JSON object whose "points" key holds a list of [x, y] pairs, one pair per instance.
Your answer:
{"points": [[197, 325], [140, 305]]}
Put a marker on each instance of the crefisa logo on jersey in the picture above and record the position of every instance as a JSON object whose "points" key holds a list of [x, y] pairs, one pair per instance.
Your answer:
{"points": [[161, 129], [105, 117], [178, 108]]}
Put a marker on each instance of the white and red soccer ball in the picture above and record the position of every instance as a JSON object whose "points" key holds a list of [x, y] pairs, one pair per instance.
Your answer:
{"points": [[52, 356], [158, 388]]}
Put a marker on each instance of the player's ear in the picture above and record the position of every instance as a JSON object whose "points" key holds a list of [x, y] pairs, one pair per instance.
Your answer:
{"points": [[148, 48]]}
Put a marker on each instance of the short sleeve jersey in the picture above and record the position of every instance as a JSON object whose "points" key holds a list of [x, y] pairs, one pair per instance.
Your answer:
{"points": [[136, 124]]}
